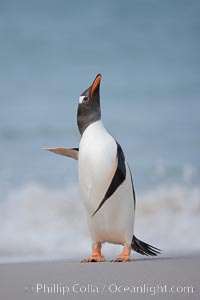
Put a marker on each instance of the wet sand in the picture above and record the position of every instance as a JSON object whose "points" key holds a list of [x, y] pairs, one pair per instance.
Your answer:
{"points": [[162, 278]]}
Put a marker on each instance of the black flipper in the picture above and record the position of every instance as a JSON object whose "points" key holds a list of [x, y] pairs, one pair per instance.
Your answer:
{"points": [[70, 152], [133, 190], [118, 178], [143, 248]]}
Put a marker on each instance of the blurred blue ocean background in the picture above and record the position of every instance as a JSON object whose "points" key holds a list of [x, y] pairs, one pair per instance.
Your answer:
{"points": [[148, 52]]}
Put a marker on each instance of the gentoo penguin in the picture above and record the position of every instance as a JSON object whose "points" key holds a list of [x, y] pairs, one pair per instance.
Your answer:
{"points": [[105, 181]]}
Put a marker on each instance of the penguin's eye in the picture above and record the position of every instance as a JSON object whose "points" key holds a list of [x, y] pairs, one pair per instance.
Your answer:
{"points": [[83, 99]]}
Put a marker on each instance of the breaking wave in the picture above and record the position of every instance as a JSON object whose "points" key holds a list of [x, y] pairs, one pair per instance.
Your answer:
{"points": [[41, 222]]}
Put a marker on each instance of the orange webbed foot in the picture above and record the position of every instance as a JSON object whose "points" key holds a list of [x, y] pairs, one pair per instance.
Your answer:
{"points": [[125, 255], [93, 258], [96, 254], [121, 258]]}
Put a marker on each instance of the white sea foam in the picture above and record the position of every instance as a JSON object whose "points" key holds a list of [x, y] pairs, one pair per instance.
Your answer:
{"points": [[39, 222], [170, 217]]}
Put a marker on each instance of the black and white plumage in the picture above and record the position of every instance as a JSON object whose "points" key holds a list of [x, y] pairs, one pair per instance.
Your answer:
{"points": [[105, 181]]}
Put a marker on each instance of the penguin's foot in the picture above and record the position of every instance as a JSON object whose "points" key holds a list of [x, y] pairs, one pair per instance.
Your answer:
{"points": [[93, 258], [121, 258], [96, 254], [125, 255]]}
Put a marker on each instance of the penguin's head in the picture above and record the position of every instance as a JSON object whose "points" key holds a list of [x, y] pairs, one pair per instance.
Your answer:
{"points": [[89, 110]]}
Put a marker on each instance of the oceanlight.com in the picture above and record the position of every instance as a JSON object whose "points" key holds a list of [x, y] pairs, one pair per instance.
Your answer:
{"points": [[112, 288]]}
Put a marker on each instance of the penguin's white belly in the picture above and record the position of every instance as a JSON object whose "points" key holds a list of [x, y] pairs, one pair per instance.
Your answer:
{"points": [[97, 164]]}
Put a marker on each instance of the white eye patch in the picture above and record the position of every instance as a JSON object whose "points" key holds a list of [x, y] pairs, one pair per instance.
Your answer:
{"points": [[81, 99]]}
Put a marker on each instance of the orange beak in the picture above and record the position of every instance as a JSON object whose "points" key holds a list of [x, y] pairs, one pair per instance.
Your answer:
{"points": [[95, 84]]}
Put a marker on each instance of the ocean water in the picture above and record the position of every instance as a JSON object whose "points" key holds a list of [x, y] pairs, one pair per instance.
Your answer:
{"points": [[148, 54]]}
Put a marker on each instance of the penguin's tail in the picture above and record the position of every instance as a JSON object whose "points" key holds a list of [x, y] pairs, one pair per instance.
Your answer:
{"points": [[144, 248]]}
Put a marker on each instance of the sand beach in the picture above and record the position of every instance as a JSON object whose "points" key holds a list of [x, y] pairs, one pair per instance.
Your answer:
{"points": [[159, 278]]}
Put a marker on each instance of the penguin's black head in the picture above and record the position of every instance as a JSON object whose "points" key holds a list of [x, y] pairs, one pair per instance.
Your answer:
{"points": [[89, 110]]}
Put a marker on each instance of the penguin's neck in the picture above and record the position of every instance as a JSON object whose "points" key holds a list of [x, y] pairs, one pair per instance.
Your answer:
{"points": [[86, 116]]}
